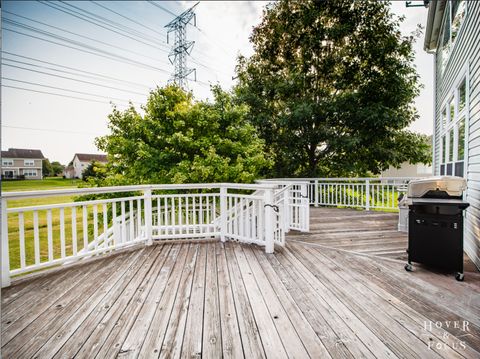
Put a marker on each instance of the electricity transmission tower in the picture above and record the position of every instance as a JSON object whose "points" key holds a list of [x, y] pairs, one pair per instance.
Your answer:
{"points": [[181, 47]]}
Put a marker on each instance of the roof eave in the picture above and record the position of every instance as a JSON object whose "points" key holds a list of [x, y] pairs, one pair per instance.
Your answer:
{"points": [[434, 22]]}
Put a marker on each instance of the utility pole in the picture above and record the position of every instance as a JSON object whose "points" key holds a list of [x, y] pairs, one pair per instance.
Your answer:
{"points": [[181, 47]]}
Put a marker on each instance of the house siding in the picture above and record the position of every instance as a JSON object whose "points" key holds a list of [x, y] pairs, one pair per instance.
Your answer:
{"points": [[465, 55], [19, 167]]}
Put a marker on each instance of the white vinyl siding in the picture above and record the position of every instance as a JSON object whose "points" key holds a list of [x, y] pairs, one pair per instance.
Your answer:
{"points": [[463, 61]]}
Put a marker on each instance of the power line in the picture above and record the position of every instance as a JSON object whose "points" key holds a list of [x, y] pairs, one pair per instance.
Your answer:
{"points": [[36, 29], [111, 23], [54, 94], [64, 39], [105, 25], [51, 130], [96, 52], [47, 33], [161, 7], [73, 91], [196, 27], [83, 73], [72, 79], [127, 18]]}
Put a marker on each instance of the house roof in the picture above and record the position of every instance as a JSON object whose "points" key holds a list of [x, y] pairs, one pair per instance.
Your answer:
{"points": [[434, 23], [22, 153], [89, 157]]}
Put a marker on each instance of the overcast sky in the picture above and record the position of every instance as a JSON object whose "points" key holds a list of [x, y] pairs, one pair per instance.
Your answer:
{"points": [[63, 63]]}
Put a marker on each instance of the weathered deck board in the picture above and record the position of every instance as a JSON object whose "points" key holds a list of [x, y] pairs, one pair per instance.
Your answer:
{"points": [[334, 292]]}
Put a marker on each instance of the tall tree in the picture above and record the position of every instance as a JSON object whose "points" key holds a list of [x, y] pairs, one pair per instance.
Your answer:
{"points": [[330, 87], [179, 140], [57, 168], [47, 168]]}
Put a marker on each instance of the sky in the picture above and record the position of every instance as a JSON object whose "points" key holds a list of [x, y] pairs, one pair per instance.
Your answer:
{"points": [[63, 63]]}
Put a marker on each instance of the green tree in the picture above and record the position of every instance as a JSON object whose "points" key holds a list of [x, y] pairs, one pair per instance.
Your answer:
{"points": [[179, 140], [47, 168], [94, 171], [57, 168], [330, 88]]}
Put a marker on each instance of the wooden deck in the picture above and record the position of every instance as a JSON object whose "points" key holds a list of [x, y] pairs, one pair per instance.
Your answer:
{"points": [[340, 291]]}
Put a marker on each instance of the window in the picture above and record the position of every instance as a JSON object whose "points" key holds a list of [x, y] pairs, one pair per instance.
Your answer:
{"points": [[461, 140], [462, 92], [30, 173], [28, 163], [452, 110], [7, 162], [453, 131], [444, 149], [452, 21], [450, 146]]}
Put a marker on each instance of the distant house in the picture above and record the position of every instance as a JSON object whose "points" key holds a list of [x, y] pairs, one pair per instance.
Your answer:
{"points": [[19, 163], [409, 170], [452, 35], [80, 162]]}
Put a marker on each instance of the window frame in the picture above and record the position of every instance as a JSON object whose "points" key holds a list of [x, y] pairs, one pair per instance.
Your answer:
{"points": [[7, 162], [29, 163], [452, 125], [447, 48], [31, 172]]}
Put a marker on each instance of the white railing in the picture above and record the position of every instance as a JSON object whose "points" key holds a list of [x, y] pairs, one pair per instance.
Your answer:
{"points": [[368, 193], [42, 236]]}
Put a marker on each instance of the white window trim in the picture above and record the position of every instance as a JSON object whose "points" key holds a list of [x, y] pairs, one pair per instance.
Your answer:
{"points": [[30, 172], [452, 125], [29, 163], [451, 44], [7, 162]]}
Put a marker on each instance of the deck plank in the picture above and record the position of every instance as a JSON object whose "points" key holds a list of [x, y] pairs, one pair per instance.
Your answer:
{"points": [[338, 291], [379, 301], [152, 345], [212, 331], [37, 333], [252, 343], [192, 341], [274, 348], [231, 335], [312, 342], [100, 315], [292, 343], [172, 343], [137, 333]]}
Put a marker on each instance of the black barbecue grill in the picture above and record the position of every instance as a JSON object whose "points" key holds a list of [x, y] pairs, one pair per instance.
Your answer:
{"points": [[435, 223]]}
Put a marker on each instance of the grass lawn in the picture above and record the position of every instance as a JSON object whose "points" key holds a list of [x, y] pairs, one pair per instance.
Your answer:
{"points": [[37, 185]]}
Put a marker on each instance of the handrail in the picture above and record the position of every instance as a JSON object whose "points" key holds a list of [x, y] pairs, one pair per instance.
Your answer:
{"points": [[134, 188], [331, 179]]}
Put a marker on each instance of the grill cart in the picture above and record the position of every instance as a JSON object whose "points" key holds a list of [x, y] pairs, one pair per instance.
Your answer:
{"points": [[435, 223]]}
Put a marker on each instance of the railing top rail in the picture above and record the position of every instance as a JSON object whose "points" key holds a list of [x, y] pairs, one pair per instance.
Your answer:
{"points": [[283, 181], [290, 180], [134, 188]]}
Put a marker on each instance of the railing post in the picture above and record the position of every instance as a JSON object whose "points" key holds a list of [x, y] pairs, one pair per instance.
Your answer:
{"points": [[367, 195], [286, 210], [223, 213], [269, 220], [148, 216], [305, 208], [315, 191], [5, 251]]}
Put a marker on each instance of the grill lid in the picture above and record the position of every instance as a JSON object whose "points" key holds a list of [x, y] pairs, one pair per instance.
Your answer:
{"points": [[439, 187]]}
